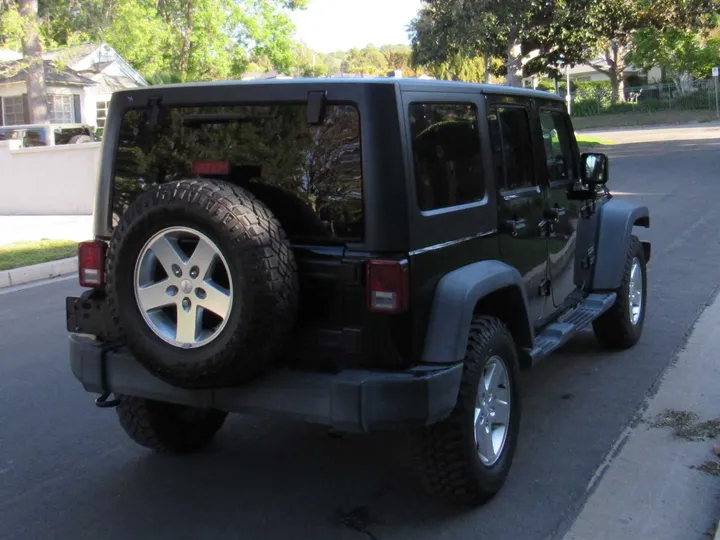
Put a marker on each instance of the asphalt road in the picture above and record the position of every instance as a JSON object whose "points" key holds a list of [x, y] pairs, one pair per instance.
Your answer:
{"points": [[67, 470]]}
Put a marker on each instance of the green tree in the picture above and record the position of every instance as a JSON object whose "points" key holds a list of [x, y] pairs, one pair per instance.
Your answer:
{"points": [[396, 56], [334, 61], [142, 38], [528, 36], [175, 39], [367, 61], [684, 55], [616, 23]]}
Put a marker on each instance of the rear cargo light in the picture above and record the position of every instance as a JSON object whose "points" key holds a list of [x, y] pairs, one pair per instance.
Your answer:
{"points": [[91, 263], [211, 167], [386, 286]]}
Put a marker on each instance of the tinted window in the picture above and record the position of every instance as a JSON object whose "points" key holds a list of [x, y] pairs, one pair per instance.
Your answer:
{"points": [[446, 154], [512, 147], [558, 146], [309, 176]]}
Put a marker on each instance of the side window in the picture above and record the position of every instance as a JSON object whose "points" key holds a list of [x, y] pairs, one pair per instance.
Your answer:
{"points": [[512, 148], [35, 137], [446, 154], [558, 146]]}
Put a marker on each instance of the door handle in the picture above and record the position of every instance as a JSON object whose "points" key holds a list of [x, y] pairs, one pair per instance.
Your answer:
{"points": [[516, 227]]}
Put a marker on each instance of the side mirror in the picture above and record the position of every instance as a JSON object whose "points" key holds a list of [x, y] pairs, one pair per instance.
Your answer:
{"points": [[594, 169]]}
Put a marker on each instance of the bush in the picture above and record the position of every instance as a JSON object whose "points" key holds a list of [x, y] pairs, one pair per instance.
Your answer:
{"points": [[585, 107], [697, 100]]}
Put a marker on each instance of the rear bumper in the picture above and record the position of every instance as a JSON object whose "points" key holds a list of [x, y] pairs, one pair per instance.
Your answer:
{"points": [[350, 401]]}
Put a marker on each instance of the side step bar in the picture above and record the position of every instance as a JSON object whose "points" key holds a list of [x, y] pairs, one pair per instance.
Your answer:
{"points": [[558, 333]]}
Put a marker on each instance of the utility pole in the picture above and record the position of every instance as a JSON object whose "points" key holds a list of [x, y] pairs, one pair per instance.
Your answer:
{"points": [[716, 75], [569, 96]]}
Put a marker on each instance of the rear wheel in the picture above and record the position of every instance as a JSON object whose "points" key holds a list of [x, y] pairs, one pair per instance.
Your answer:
{"points": [[166, 426], [467, 457], [620, 327]]}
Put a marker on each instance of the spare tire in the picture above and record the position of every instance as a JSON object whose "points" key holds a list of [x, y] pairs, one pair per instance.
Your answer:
{"points": [[80, 139], [202, 283]]}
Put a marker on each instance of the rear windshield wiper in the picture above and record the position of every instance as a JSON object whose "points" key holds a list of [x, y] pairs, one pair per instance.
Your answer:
{"points": [[220, 118]]}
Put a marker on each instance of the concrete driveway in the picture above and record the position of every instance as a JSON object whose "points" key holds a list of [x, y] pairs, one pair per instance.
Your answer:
{"points": [[67, 470]]}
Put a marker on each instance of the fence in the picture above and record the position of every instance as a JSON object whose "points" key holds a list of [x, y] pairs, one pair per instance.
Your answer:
{"points": [[51, 180], [592, 99]]}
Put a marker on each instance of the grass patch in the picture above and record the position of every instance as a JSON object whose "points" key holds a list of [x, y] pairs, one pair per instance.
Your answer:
{"points": [[588, 141], [20, 254]]}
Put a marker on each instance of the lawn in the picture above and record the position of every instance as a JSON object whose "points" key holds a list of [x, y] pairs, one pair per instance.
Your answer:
{"points": [[588, 141], [20, 254]]}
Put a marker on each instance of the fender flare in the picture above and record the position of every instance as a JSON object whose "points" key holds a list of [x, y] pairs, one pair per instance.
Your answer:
{"points": [[456, 296], [617, 219]]}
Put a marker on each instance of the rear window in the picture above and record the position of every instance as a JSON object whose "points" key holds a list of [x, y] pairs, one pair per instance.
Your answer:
{"points": [[309, 175]]}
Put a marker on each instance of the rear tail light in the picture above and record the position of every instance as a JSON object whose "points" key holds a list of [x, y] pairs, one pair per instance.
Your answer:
{"points": [[387, 286], [91, 264]]}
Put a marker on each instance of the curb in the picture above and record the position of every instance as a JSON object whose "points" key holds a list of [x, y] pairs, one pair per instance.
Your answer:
{"points": [[38, 272]]}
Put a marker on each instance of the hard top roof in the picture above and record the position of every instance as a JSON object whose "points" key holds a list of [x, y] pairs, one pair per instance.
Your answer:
{"points": [[426, 85]]}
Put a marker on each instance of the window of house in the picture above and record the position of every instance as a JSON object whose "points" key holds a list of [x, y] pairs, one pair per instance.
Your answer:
{"points": [[13, 110], [558, 146], [102, 109], [446, 153], [61, 109], [512, 148]]}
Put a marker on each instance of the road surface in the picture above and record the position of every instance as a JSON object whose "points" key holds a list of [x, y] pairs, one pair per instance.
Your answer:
{"points": [[67, 470]]}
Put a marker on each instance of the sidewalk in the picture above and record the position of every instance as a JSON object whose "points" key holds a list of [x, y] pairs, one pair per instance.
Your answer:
{"points": [[661, 481], [29, 228]]}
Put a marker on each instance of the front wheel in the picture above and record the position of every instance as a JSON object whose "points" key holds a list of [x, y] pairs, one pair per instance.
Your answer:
{"points": [[168, 427], [620, 327], [467, 457]]}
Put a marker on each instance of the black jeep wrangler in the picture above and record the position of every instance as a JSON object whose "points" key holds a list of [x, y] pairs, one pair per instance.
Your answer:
{"points": [[365, 255]]}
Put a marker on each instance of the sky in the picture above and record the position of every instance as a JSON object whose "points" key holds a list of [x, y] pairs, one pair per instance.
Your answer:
{"points": [[337, 25]]}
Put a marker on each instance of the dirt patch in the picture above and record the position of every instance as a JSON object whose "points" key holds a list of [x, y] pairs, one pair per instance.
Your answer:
{"points": [[686, 426], [711, 467]]}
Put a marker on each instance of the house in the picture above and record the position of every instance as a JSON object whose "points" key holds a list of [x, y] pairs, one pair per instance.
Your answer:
{"points": [[633, 76], [79, 80]]}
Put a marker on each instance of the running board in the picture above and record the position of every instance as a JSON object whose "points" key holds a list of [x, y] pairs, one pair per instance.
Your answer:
{"points": [[556, 334]]}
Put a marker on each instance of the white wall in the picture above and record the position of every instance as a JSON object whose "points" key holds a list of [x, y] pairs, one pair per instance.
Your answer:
{"points": [[12, 89], [54, 180]]}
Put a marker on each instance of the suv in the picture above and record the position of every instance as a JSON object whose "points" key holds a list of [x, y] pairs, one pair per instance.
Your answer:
{"points": [[360, 254]]}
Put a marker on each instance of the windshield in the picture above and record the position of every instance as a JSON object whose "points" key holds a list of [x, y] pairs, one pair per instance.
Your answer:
{"points": [[309, 175]]}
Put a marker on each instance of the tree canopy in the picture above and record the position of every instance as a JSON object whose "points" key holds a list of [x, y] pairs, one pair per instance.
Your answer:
{"points": [[536, 36], [172, 39]]}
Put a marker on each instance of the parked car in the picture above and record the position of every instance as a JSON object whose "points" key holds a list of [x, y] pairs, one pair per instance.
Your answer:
{"points": [[365, 255], [48, 134]]}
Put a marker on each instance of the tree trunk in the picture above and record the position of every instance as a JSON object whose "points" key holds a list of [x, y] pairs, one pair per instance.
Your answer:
{"points": [[184, 63], [486, 65], [32, 52], [617, 83], [513, 63]]}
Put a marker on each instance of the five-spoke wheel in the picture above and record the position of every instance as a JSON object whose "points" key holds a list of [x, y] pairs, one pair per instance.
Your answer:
{"points": [[183, 287]]}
